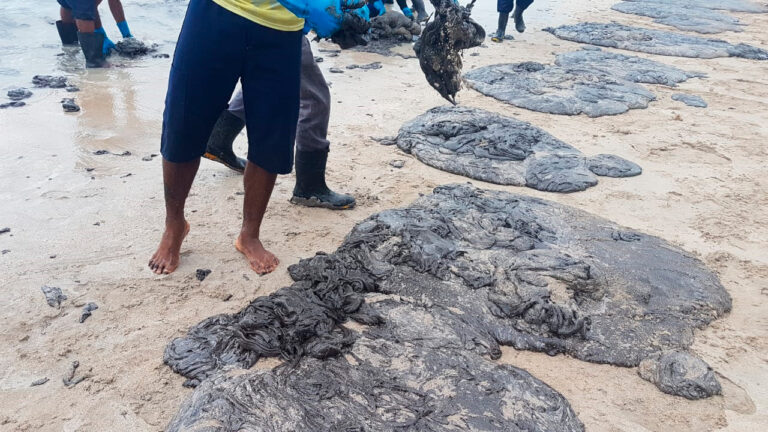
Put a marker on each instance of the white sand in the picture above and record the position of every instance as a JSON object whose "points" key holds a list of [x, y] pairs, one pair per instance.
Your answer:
{"points": [[703, 188]]}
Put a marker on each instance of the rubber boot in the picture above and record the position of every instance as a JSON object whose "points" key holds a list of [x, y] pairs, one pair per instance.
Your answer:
{"points": [[67, 32], [108, 44], [519, 23], [219, 147], [421, 12], [311, 190], [501, 29], [92, 45]]}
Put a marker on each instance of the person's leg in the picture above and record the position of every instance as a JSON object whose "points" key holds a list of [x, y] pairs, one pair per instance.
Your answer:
{"points": [[205, 70], [405, 9], [65, 12], [177, 180], [230, 123], [219, 147], [504, 8], [271, 80], [86, 15], [501, 29], [96, 16], [314, 104], [520, 7], [66, 25], [311, 139], [85, 26], [92, 43], [258, 184], [421, 11], [108, 45]]}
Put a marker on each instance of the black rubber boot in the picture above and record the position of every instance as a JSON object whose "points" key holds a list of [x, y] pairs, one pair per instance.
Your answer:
{"points": [[92, 45], [519, 23], [67, 32], [311, 190], [501, 30], [219, 148]]}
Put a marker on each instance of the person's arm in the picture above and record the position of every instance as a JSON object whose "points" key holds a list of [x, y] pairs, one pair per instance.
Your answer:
{"points": [[376, 8], [116, 7], [404, 7], [322, 16]]}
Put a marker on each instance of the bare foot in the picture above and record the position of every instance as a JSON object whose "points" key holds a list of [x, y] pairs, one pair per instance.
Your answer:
{"points": [[166, 258], [262, 261]]}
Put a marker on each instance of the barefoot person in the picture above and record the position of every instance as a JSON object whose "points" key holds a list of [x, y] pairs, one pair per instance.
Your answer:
{"points": [[504, 7], [312, 144], [222, 41]]}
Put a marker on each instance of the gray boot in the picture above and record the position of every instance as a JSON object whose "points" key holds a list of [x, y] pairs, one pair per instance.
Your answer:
{"points": [[311, 190], [92, 45], [219, 147], [519, 22], [67, 32]]}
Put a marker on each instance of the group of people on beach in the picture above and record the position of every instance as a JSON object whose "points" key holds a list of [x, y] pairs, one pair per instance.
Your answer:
{"points": [[506, 7], [284, 100], [80, 23]]}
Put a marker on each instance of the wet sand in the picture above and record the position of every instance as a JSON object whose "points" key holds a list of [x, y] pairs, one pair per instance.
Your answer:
{"points": [[80, 222]]}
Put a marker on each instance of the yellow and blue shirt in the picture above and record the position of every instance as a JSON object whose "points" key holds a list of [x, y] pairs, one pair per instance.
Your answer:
{"points": [[269, 13]]}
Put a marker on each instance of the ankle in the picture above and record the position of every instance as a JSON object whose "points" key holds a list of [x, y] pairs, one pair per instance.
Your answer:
{"points": [[250, 232], [175, 224], [305, 189]]}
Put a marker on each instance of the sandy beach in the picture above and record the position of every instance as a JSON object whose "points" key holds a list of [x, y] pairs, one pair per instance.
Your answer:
{"points": [[88, 223]]}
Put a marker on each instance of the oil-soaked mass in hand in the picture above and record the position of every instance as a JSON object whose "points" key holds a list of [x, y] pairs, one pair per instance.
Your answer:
{"points": [[378, 36], [659, 42], [354, 31], [437, 287], [590, 81], [486, 146], [439, 49]]}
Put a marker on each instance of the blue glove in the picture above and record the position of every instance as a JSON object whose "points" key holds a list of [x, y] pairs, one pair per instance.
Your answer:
{"points": [[376, 8], [108, 44], [124, 30], [363, 12], [408, 12], [322, 16]]}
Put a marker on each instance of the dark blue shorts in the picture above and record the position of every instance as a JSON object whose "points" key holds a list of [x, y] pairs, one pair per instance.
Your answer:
{"points": [[81, 9], [505, 6], [215, 49]]}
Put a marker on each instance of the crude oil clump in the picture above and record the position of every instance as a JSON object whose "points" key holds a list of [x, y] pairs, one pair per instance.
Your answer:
{"points": [[444, 38]]}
